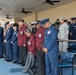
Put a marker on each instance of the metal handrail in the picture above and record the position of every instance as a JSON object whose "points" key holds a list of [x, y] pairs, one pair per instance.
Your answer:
{"points": [[66, 40]]}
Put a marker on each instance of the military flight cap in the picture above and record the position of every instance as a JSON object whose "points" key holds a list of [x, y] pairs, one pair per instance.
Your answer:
{"points": [[73, 18], [38, 22], [6, 24], [15, 24], [45, 21], [56, 23]]}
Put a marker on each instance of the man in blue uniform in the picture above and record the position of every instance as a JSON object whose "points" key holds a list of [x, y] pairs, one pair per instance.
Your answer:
{"points": [[15, 43], [72, 29], [1, 41], [7, 41], [50, 48]]}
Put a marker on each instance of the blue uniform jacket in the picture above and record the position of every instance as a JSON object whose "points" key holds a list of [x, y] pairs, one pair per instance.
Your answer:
{"points": [[8, 36], [50, 40], [15, 37], [72, 29], [1, 34]]}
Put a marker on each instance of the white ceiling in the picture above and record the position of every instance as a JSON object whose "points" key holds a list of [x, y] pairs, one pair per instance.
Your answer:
{"points": [[13, 7]]}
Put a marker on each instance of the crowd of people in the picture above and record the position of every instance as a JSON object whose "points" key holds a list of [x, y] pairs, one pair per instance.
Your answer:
{"points": [[35, 46]]}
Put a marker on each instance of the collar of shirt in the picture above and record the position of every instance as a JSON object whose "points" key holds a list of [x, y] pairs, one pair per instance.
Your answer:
{"points": [[39, 29], [73, 24], [50, 27]]}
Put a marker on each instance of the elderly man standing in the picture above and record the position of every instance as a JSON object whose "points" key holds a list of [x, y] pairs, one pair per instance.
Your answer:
{"points": [[1, 41], [50, 48], [39, 46], [31, 46], [63, 34], [7, 41], [14, 43]]}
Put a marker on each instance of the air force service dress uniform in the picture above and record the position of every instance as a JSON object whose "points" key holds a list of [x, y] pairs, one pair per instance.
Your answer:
{"points": [[72, 29], [50, 43], [1, 41], [15, 45], [8, 46]]}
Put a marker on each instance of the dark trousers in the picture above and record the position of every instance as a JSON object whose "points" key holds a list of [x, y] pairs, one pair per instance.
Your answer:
{"points": [[4, 51], [51, 63], [22, 54], [1, 50], [15, 52], [8, 50], [41, 62]]}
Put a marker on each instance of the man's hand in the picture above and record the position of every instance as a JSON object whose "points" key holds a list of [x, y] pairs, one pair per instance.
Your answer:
{"points": [[5, 40], [45, 50], [24, 45], [11, 42], [71, 34], [30, 52]]}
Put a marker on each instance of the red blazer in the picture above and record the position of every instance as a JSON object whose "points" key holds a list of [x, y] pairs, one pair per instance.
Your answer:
{"points": [[21, 36], [40, 38], [31, 44]]}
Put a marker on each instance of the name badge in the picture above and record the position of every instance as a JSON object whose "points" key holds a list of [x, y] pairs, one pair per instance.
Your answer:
{"points": [[17, 34], [21, 32], [8, 30], [49, 32], [75, 26], [40, 35], [29, 43]]}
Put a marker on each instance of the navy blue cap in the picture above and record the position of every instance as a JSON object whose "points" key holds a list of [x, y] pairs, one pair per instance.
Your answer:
{"points": [[45, 21], [15, 24], [38, 22], [56, 23], [73, 18], [6, 24]]}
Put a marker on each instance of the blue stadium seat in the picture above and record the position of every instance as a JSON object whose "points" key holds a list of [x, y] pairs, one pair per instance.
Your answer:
{"points": [[72, 47], [65, 61]]}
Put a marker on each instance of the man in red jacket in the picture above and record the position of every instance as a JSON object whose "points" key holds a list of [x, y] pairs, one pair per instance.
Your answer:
{"points": [[31, 45], [22, 42], [39, 46]]}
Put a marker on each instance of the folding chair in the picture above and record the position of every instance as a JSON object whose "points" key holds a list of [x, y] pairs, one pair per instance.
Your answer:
{"points": [[65, 61]]}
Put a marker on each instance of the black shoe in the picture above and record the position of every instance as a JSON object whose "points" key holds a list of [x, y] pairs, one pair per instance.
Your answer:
{"points": [[8, 60], [1, 57], [22, 64], [15, 62], [19, 63]]}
